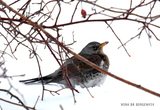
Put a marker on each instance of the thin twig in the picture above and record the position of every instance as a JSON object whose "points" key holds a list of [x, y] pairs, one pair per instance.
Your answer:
{"points": [[27, 107], [74, 11], [36, 102], [12, 95], [118, 39]]}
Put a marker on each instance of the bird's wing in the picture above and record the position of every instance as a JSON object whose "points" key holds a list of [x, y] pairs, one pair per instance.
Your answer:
{"points": [[77, 66]]}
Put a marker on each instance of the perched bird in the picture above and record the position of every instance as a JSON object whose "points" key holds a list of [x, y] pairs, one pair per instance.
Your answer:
{"points": [[85, 74]]}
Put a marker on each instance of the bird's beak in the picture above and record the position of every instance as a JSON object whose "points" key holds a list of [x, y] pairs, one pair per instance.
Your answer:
{"points": [[103, 44]]}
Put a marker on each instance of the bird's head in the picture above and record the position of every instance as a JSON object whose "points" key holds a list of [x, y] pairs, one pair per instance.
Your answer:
{"points": [[93, 48]]}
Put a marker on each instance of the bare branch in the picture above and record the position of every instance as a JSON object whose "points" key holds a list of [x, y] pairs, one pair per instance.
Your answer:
{"points": [[37, 21], [12, 95], [118, 39]]}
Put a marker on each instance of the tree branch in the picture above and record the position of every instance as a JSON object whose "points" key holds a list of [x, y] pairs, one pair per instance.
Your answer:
{"points": [[78, 56], [12, 95]]}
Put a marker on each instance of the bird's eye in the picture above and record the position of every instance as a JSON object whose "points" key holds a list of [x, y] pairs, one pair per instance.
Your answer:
{"points": [[94, 47]]}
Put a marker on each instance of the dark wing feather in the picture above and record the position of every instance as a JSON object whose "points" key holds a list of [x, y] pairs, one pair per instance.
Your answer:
{"points": [[77, 66]]}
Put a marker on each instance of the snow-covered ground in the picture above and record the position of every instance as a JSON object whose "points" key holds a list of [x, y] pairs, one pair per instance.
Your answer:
{"points": [[112, 95]]}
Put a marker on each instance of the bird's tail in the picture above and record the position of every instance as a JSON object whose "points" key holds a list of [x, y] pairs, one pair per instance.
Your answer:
{"points": [[45, 80]]}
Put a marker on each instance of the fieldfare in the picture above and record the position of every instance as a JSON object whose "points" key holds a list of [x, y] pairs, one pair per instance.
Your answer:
{"points": [[85, 74]]}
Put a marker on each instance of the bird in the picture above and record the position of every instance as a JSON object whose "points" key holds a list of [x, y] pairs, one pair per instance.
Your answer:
{"points": [[78, 72]]}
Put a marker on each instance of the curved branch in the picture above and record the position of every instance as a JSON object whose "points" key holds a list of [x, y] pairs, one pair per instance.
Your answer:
{"points": [[17, 104], [12, 95], [123, 12]]}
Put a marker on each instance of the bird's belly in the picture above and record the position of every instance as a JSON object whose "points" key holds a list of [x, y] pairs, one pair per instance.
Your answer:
{"points": [[94, 80]]}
